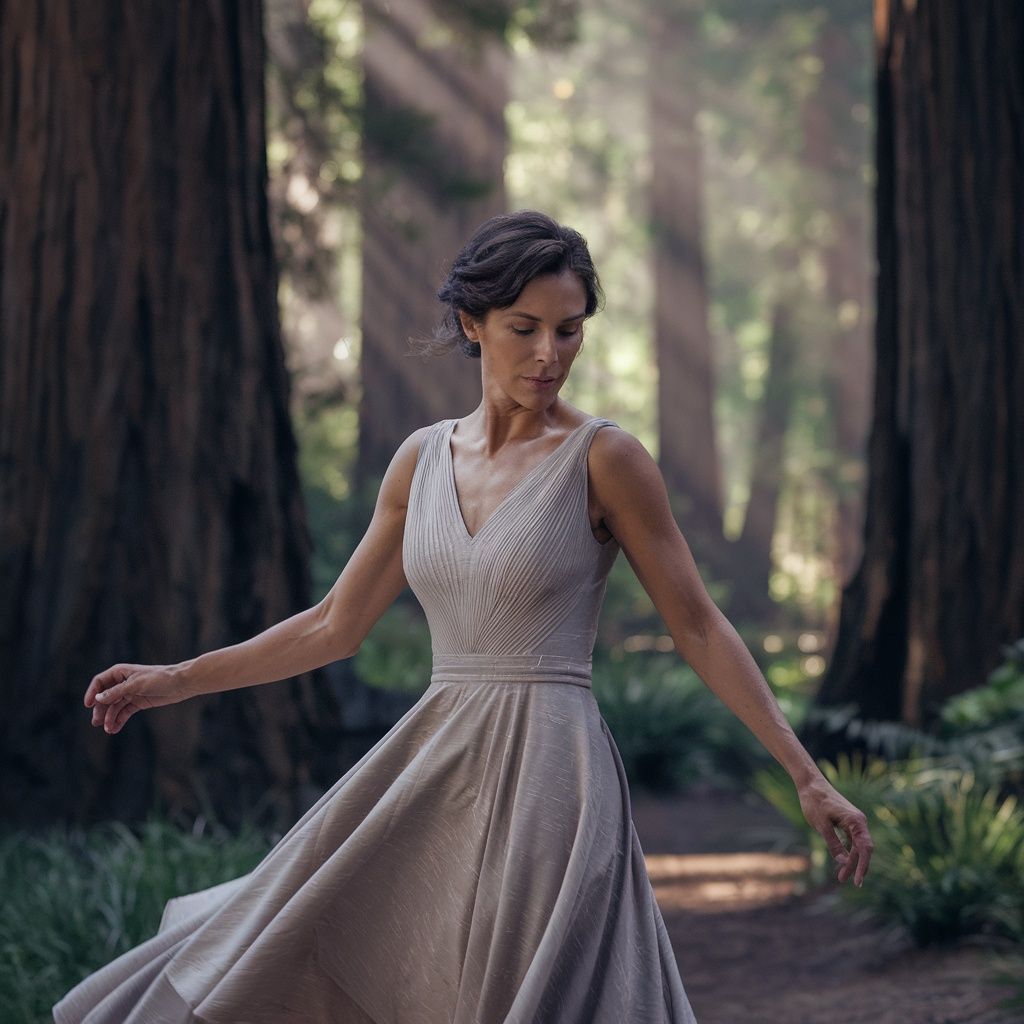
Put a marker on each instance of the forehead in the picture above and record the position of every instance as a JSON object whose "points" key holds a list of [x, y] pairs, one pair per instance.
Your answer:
{"points": [[558, 295]]}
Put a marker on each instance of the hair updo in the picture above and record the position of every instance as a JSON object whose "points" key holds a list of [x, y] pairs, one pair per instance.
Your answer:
{"points": [[505, 253]]}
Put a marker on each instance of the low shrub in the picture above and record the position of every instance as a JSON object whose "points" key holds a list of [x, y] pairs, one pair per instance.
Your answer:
{"points": [[999, 702], [669, 728], [949, 851], [74, 899], [949, 862]]}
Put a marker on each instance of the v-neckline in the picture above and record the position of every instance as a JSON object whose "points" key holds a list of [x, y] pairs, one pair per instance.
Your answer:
{"points": [[454, 492]]}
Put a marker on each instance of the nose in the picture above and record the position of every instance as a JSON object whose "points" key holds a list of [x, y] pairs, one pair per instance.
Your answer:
{"points": [[545, 350]]}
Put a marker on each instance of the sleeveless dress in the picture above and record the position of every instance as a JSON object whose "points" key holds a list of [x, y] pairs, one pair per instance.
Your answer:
{"points": [[478, 865]]}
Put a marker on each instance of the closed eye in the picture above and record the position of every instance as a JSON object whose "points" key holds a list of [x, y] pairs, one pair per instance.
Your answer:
{"points": [[564, 334]]}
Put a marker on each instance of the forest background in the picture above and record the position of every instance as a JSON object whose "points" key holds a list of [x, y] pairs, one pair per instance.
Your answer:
{"points": [[221, 224]]}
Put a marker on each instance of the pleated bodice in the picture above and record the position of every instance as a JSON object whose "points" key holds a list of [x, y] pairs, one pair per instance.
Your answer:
{"points": [[524, 593]]}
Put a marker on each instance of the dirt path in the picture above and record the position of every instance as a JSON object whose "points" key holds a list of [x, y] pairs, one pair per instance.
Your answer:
{"points": [[752, 949]]}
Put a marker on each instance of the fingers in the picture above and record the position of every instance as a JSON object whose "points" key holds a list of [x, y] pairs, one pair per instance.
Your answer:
{"points": [[119, 687], [848, 867], [836, 846], [113, 718], [864, 847], [110, 694], [844, 828], [853, 862], [102, 682]]}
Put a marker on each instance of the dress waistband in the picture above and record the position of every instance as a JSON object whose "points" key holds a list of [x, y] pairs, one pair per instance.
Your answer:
{"points": [[517, 668]]}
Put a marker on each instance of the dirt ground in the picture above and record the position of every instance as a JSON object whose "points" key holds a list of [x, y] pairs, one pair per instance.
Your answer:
{"points": [[752, 949]]}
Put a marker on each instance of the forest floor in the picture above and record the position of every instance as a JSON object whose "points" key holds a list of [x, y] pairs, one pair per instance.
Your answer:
{"points": [[753, 948]]}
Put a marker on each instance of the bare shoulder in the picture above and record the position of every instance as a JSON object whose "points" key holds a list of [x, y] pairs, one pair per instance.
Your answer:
{"points": [[394, 488], [616, 453], [625, 481]]}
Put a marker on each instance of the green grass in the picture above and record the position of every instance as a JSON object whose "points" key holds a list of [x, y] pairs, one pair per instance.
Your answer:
{"points": [[74, 899]]}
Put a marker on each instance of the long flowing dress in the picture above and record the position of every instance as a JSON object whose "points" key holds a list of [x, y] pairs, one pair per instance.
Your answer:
{"points": [[478, 865]]}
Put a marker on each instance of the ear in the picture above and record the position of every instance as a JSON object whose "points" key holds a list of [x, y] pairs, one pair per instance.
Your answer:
{"points": [[469, 325]]}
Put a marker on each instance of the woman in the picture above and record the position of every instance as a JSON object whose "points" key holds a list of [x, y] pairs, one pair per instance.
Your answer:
{"points": [[479, 864]]}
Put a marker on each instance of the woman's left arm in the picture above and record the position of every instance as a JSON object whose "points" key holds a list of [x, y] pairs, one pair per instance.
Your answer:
{"points": [[626, 484]]}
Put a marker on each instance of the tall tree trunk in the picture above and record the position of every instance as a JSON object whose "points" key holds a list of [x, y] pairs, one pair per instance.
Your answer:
{"points": [[941, 585], [687, 448], [150, 506], [752, 550], [835, 152], [435, 144]]}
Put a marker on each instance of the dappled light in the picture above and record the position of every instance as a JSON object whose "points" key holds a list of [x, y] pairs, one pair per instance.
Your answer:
{"points": [[511, 512]]}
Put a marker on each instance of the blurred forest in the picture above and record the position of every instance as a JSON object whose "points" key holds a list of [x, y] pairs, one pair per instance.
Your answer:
{"points": [[222, 223]]}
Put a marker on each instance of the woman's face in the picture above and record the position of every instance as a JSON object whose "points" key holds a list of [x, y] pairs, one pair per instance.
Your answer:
{"points": [[538, 336]]}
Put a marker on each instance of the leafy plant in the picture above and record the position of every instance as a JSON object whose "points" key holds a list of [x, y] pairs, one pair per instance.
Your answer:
{"points": [[949, 850], [396, 654], [1000, 701], [865, 781], [669, 728], [980, 731], [948, 862], [75, 899]]}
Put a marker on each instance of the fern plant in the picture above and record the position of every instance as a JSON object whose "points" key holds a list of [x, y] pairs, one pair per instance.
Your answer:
{"points": [[865, 781], [669, 728], [948, 862]]}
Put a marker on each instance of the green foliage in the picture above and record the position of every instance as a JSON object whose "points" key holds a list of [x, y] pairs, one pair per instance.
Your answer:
{"points": [[397, 653], [335, 512], [669, 728], [950, 860], [865, 781], [944, 813], [551, 24], [75, 899], [994, 754], [949, 852], [1000, 701], [981, 731], [408, 140], [314, 98]]}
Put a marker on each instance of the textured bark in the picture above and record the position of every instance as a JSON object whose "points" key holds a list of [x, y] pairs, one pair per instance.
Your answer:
{"points": [[941, 585], [150, 507], [687, 448], [435, 144]]}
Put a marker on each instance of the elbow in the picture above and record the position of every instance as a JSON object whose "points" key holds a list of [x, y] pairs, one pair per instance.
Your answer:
{"points": [[343, 647], [340, 644], [699, 627]]}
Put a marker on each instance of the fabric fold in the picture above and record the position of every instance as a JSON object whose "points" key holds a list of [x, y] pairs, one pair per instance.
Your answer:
{"points": [[479, 864]]}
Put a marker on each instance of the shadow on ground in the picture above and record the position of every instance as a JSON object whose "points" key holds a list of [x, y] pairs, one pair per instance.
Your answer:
{"points": [[753, 948]]}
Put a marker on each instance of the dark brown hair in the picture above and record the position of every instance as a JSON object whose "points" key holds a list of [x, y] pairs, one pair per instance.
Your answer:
{"points": [[505, 253]]}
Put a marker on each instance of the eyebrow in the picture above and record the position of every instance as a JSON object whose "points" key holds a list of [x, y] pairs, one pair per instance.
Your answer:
{"points": [[530, 316]]}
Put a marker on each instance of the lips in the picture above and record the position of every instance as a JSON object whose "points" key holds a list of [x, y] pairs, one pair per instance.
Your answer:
{"points": [[541, 380]]}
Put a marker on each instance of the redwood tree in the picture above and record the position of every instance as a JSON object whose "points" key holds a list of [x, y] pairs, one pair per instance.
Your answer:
{"points": [[150, 507], [687, 447], [940, 587], [434, 149]]}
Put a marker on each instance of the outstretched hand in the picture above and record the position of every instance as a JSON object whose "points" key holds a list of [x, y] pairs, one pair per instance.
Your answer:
{"points": [[117, 693], [825, 809]]}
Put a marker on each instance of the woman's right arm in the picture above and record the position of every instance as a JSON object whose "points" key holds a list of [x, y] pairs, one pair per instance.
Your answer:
{"points": [[331, 630]]}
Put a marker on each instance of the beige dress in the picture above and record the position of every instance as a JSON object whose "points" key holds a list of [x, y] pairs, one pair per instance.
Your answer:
{"points": [[479, 864]]}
